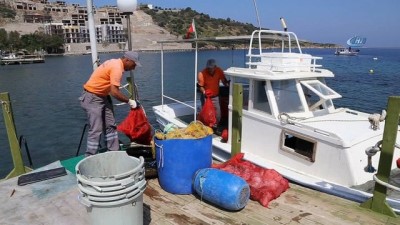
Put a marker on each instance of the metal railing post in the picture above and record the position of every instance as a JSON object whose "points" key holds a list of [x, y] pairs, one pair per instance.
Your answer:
{"points": [[237, 107], [18, 162]]}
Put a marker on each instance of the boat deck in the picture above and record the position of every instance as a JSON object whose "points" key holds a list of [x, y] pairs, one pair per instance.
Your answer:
{"points": [[55, 201]]}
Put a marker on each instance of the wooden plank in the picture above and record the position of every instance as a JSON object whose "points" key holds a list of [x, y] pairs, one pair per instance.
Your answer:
{"points": [[252, 213], [298, 205], [330, 209], [171, 210], [55, 202], [219, 216], [180, 199]]}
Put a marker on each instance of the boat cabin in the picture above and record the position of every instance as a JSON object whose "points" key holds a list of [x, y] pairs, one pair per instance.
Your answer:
{"points": [[289, 121], [287, 81]]}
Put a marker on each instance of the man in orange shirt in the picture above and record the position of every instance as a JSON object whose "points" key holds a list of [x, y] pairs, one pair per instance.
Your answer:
{"points": [[96, 100], [208, 82]]}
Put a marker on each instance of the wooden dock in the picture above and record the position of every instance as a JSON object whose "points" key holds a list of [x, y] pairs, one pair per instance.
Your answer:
{"points": [[55, 201], [298, 205]]}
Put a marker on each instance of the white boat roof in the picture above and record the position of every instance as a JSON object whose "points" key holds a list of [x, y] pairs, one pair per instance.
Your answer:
{"points": [[338, 123], [271, 75]]}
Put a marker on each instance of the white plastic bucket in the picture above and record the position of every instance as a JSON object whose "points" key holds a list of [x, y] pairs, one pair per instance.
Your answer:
{"points": [[112, 186], [123, 212], [91, 195], [101, 188]]}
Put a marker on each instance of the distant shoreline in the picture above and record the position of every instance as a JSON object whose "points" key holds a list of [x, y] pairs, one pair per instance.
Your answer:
{"points": [[167, 50]]}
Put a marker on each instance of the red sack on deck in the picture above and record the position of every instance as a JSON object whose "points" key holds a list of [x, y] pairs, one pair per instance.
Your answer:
{"points": [[208, 115], [136, 126], [265, 184]]}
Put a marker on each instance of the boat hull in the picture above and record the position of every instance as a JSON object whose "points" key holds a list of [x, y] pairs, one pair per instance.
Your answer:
{"points": [[333, 170]]}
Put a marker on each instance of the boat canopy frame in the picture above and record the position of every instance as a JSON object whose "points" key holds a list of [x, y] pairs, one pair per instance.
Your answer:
{"points": [[256, 38], [229, 39]]}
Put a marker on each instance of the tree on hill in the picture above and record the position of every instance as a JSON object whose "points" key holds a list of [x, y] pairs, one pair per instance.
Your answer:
{"points": [[6, 11], [13, 41], [3, 39]]}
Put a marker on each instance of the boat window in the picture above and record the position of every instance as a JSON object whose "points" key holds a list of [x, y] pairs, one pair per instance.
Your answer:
{"points": [[318, 93], [298, 145], [260, 97], [287, 96]]}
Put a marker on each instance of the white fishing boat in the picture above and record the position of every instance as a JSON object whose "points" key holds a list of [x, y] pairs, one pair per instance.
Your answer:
{"points": [[289, 122], [21, 58], [346, 51], [356, 41]]}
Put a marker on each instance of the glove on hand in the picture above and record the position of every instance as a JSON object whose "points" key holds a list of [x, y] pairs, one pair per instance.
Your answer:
{"points": [[133, 103], [208, 93]]}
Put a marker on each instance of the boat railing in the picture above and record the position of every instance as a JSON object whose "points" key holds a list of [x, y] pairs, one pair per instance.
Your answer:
{"points": [[259, 38], [289, 58], [283, 62], [178, 101]]}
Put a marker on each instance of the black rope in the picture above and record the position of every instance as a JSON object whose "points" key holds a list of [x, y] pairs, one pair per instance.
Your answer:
{"points": [[80, 141], [23, 139]]}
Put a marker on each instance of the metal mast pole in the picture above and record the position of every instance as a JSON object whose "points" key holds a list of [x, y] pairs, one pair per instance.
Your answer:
{"points": [[92, 34], [131, 79], [127, 7], [258, 17]]}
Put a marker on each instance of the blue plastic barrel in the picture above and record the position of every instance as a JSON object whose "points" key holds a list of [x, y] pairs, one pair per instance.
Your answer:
{"points": [[221, 188], [179, 159]]}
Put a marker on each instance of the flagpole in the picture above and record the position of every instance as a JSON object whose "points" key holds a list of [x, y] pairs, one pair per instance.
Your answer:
{"points": [[195, 79], [195, 70], [194, 28]]}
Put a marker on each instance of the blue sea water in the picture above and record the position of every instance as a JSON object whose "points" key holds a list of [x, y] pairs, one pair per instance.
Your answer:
{"points": [[47, 112]]}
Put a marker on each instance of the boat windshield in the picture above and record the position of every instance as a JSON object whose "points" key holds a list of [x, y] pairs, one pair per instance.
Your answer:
{"points": [[287, 96], [324, 93]]}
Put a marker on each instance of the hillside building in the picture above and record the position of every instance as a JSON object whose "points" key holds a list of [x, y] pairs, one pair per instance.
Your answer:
{"points": [[71, 21]]}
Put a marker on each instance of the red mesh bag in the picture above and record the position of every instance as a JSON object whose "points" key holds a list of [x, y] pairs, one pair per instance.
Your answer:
{"points": [[136, 127], [208, 115], [265, 184]]}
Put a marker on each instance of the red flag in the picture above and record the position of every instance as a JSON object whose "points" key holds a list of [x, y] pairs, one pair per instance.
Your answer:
{"points": [[192, 29]]}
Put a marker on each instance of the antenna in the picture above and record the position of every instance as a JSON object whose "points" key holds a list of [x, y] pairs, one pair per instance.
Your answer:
{"points": [[258, 18], [283, 24]]}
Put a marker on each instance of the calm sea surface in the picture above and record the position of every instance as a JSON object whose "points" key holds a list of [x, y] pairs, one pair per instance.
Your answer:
{"points": [[47, 112]]}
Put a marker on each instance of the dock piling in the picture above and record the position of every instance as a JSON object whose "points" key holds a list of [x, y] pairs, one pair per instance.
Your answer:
{"points": [[237, 107], [19, 167], [378, 201]]}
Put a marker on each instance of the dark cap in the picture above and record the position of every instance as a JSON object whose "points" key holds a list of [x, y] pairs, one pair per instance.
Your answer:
{"points": [[211, 63], [134, 56]]}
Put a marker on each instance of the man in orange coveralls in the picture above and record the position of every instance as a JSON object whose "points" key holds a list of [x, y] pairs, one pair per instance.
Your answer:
{"points": [[96, 100], [208, 82]]}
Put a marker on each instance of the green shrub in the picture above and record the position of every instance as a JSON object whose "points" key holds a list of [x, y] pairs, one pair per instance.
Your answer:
{"points": [[6, 12]]}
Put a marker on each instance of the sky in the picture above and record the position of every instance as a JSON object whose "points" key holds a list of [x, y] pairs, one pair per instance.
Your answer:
{"points": [[323, 21]]}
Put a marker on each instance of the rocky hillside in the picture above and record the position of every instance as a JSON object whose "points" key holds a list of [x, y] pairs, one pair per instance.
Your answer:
{"points": [[147, 25], [178, 21]]}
